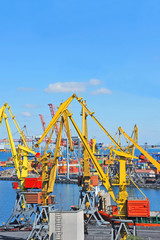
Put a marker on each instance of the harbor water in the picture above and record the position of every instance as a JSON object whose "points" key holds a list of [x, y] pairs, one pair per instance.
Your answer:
{"points": [[66, 195]]}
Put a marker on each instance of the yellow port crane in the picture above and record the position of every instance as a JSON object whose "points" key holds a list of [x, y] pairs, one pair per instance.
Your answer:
{"points": [[23, 212], [60, 111], [63, 108], [130, 149], [21, 165], [122, 180], [147, 155], [86, 168], [48, 178]]}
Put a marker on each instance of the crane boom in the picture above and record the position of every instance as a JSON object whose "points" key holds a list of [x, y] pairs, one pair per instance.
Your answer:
{"points": [[2, 110], [21, 165], [86, 174], [13, 148], [57, 115], [14, 120], [147, 155], [102, 175], [60, 111], [48, 179], [55, 160], [68, 131], [99, 124]]}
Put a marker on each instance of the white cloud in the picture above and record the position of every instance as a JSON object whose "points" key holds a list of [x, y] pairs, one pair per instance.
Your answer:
{"points": [[75, 87], [23, 89], [66, 87], [101, 91], [27, 114], [30, 106], [95, 82]]}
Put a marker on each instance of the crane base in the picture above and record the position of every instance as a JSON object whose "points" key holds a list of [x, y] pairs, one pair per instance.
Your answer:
{"points": [[91, 212], [40, 228], [120, 228], [23, 214]]}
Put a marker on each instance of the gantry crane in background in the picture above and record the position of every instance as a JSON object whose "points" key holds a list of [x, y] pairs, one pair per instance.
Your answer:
{"points": [[147, 155], [134, 136], [43, 126], [43, 122], [130, 149], [52, 110]]}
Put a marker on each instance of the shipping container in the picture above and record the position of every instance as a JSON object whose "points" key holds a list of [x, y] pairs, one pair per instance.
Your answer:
{"points": [[94, 180], [33, 183], [138, 208]]}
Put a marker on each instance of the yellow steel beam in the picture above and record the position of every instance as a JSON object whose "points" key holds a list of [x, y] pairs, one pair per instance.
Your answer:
{"points": [[86, 173], [13, 148], [122, 188], [57, 115], [147, 155], [101, 174], [68, 131], [26, 149], [2, 110], [123, 154], [99, 124], [24, 171], [49, 140], [55, 159], [14, 120], [60, 111]]}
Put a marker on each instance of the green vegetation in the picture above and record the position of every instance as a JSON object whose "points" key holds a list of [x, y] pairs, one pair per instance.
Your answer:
{"points": [[131, 237]]}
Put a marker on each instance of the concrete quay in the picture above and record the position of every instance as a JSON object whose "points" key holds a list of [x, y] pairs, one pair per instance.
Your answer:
{"points": [[94, 233]]}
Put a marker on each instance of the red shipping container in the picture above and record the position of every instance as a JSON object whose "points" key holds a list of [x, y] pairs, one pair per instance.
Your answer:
{"points": [[94, 180], [33, 183], [138, 208], [15, 185], [3, 164], [75, 169], [64, 169]]}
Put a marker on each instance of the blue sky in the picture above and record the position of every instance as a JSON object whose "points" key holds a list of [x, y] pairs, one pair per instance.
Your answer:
{"points": [[108, 52]]}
